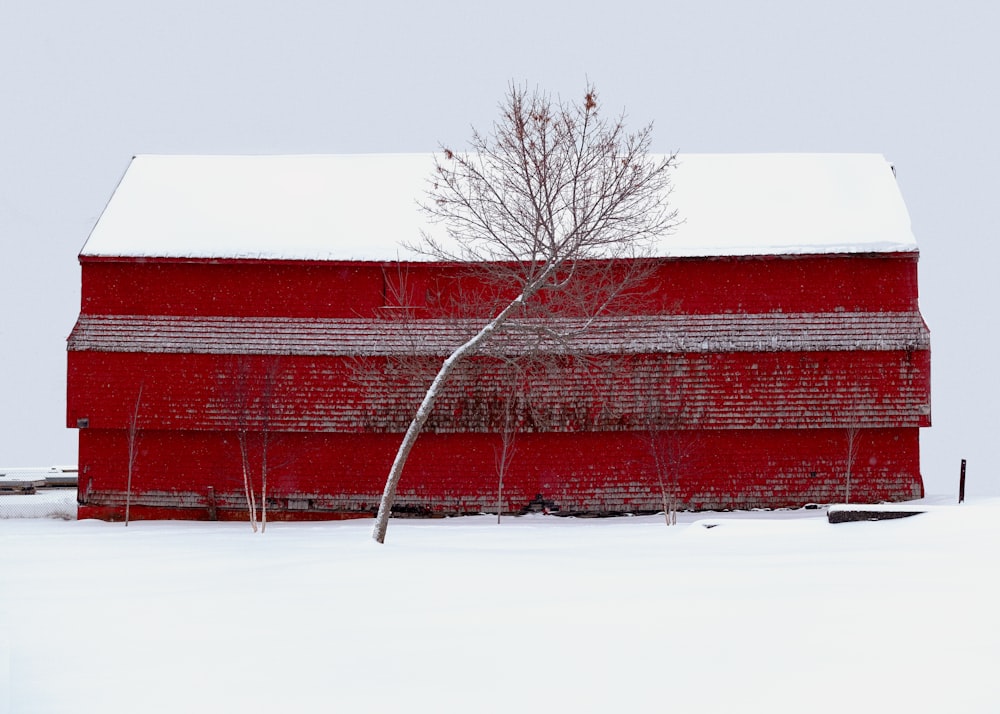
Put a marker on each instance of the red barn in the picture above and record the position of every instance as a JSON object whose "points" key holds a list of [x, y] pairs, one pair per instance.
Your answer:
{"points": [[234, 321]]}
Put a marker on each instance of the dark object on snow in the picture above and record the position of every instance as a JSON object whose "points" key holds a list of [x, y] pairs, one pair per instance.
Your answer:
{"points": [[848, 514], [961, 483]]}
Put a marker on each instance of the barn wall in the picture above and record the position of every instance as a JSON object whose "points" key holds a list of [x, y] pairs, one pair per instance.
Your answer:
{"points": [[262, 288], [877, 282], [337, 475], [737, 390], [761, 427]]}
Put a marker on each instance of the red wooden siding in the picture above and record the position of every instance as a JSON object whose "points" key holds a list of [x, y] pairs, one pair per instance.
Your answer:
{"points": [[758, 366], [330, 475], [238, 288], [719, 391]]}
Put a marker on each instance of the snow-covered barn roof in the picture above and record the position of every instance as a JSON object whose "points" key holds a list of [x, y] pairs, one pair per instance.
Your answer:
{"points": [[364, 207]]}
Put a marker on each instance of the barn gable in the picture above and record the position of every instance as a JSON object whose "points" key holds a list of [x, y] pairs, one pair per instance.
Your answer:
{"points": [[260, 294]]}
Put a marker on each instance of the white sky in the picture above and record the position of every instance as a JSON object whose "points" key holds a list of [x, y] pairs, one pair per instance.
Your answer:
{"points": [[88, 85]]}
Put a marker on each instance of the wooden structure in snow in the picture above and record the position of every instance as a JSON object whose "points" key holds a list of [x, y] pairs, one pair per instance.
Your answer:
{"points": [[265, 299]]}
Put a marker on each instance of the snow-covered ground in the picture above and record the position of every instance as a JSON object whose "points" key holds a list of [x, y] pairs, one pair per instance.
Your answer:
{"points": [[771, 612], [45, 503]]}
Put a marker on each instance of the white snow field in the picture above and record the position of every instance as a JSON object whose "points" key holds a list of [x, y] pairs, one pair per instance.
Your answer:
{"points": [[763, 612]]}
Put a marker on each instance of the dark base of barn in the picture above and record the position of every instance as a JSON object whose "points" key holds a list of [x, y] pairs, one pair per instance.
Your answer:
{"points": [[338, 476]]}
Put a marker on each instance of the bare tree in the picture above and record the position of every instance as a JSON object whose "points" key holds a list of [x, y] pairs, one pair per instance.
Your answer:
{"points": [[243, 437], [555, 202], [133, 446], [242, 406], [267, 397], [669, 436], [504, 451], [670, 449], [252, 408], [852, 432]]}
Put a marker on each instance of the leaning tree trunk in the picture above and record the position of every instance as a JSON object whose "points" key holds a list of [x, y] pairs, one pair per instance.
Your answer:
{"points": [[465, 350]]}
